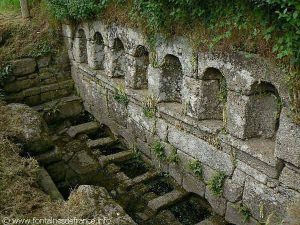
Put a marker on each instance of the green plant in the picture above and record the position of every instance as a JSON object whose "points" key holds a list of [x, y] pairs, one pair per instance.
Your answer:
{"points": [[196, 167], [215, 184], [149, 106], [245, 212], [9, 5], [173, 157], [77, 10], [159, 150], [121, 96], [5, 72]]}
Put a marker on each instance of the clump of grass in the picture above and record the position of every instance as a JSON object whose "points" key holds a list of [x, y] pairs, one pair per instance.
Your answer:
{"points": [[215, 184], [121, 96], [9, 5], [196, 167], [173, 157], [20, 195], [149, 106], [159, 150], [245, 213]]}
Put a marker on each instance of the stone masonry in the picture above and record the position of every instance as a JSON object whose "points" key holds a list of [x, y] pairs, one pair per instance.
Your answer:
{"points": [[246, 135]]}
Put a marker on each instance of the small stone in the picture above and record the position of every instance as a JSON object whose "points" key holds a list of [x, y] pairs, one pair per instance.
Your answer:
{"points": [[23, 67]]}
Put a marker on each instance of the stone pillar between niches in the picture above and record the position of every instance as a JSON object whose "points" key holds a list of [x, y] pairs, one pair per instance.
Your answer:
{"points": [[252, 116]]}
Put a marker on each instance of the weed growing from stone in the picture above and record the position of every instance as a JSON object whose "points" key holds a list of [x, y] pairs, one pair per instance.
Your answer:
{"points": [[121, 96], [245, 212], [159, 150], [215, 184], [173, 157], [196, 167], [149, 106], [5, 72]]}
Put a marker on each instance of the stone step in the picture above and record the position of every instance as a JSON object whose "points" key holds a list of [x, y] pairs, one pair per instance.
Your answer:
{"points": [[118, 157], [166, 200], [142, 178], [101, 142], [85, 128]]}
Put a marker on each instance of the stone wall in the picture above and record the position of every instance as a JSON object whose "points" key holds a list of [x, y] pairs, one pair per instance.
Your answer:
{"points": [[228, 112], [34, 81]]}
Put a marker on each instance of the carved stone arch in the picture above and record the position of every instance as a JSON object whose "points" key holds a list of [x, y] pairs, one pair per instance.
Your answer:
{"points": [[171, 80], [263, 111], [119, 61], [139, 79], [98, 53]]}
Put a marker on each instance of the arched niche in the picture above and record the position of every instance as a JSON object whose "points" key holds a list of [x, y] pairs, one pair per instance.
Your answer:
{"points": [[255, 115], [141, 57], [119, 59], [213, 95], [263, 111], [98, 51], [82, 46], [171, 80]]}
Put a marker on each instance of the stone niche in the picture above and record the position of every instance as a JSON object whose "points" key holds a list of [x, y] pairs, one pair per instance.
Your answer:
{"points": [[171, 77], [207, 95], [97, 52], [80, 47], [138, 68], [254, 115], [118, 59]]}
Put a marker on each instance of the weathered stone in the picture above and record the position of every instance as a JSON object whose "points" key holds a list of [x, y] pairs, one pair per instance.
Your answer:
{"points": [[101, 142], [49, 157], [201, 150], [162, 129], [193, 184], [96, 204], [203, 99], [118, 157], [43, 61], [239, 177], [23, 67], [166, 200], [218, 203], [17, 86], [232, 191], [290, 178], [252, 172], [234, 216], [47, 184], [251, 116], [257, 196], [288, 140], [82, 163], [26, 125], [83, 128]]}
